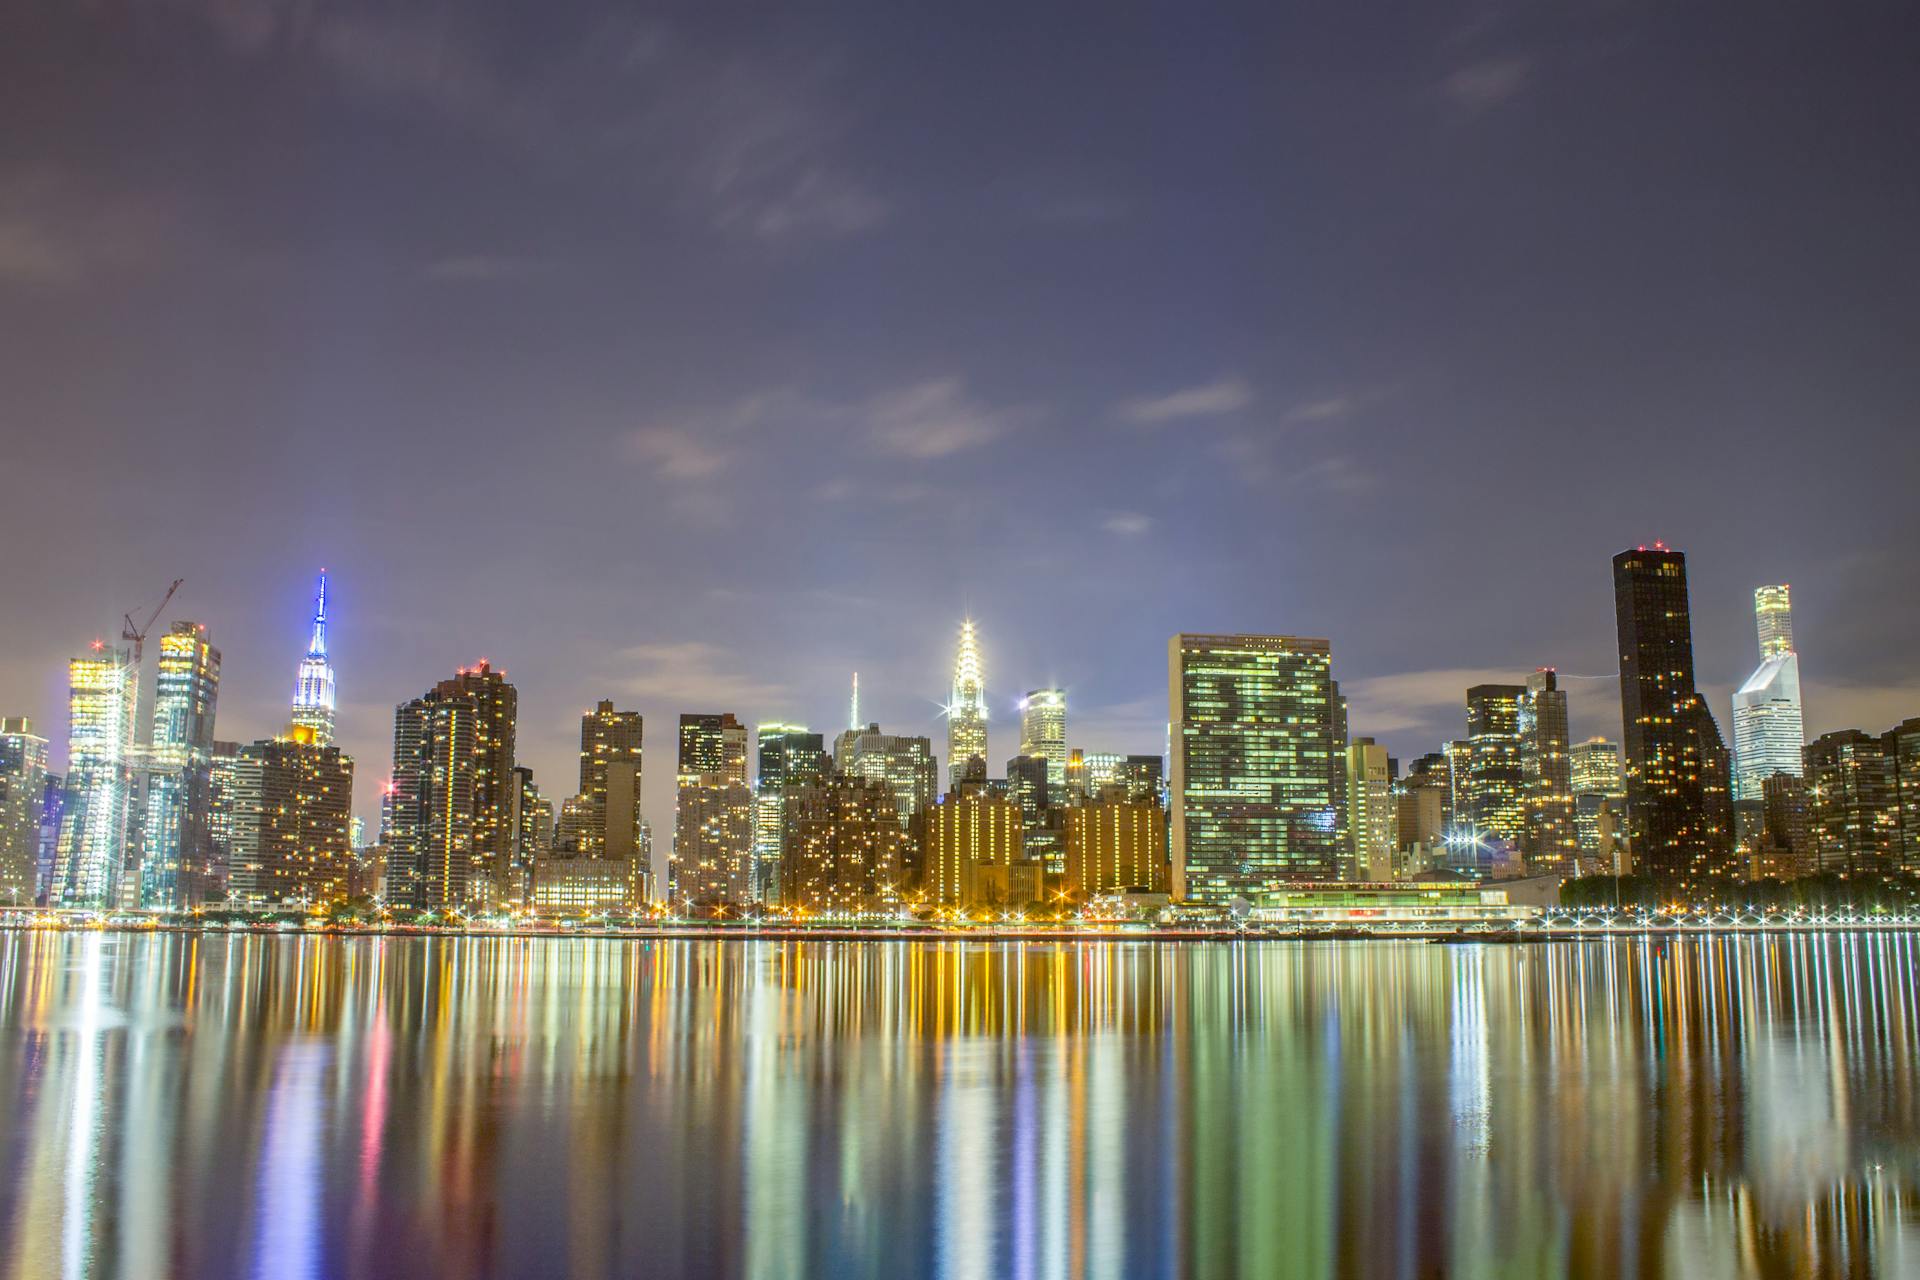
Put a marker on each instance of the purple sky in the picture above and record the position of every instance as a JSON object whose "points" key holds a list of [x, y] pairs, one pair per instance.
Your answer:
{"points": [[697, 359]]}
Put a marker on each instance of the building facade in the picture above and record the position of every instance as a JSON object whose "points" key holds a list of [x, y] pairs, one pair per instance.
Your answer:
{"points": [[1043, 732], [787, 755], [91, 848], [843, 848], [1769, 734], [963, 831], [23, 790], [1496, 775], [496, 706], [176, 853], [713, 821], [289, 842], [433, 860], [967, 711], [1852, 814], [1547, 764], [1372, 820], [1116, 844], [1678, 783], [1254, 756]]}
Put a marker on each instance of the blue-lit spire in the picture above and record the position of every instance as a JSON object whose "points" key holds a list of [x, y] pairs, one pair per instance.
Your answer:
{"points": [[313, 685]]}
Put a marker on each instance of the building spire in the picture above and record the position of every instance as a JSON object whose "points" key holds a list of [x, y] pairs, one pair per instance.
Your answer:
{"points": [[967, 711], [853, 711], [313, 699]]}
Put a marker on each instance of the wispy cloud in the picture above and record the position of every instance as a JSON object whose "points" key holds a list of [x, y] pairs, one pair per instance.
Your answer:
{"points": [[1127, 524], [698, 675], [935, 419], [1339, 474], [1417, 699], [1329, 409], [675, 453], [1482, 85], [1209, 400]]}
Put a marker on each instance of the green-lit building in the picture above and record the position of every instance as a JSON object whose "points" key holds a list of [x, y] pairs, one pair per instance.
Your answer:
{"points": [[1254, 754]]}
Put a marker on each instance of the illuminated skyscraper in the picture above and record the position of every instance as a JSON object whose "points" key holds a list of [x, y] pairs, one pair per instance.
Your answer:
{"points": [[496, 706], [1252, 731], [313, 683], [1852, 803], [1679, 789], [291, 823], [1902, 748], [1496, 776], [432, 861], [788, 756], [176, 855], [23, 787], [610, 776], [967, 711], [1596, 768], [713, 819], [905, 763], [92, 844], [1027, 783], [1372, 820], [1768, 733], [1599, 797], [1043, 733], [1548, 768]]}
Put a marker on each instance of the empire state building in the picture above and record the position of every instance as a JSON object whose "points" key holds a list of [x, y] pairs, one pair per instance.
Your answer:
{"points": [[313, 685]]}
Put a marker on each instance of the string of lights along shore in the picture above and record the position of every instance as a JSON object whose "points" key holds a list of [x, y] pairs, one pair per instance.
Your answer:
{"points": [[1265, 792]]}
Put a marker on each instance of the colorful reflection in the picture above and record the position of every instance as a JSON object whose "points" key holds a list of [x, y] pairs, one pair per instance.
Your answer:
{"points": [[210, 1106]]}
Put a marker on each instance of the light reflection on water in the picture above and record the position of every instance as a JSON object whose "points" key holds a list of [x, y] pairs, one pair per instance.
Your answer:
{"points": [[269, 1106]]}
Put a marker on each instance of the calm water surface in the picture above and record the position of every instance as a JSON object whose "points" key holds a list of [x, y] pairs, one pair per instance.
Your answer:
{"points": [[260, 1106]]}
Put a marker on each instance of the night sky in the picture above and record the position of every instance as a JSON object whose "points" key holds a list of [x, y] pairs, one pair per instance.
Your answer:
{"points": [[698, 356]]}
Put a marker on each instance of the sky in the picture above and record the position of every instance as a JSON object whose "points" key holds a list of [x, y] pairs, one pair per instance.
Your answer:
{"points": [[697, 356]]}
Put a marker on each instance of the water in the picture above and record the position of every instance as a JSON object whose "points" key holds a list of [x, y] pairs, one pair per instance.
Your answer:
{"points": [[283, 1106]]}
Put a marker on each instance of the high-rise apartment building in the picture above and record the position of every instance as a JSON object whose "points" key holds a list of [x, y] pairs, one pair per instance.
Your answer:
{"points": [[904, 763], [496, 706], [1372, 820], [1496, 775], [1901, 745], [433, 861], [289, 841], [713, 820], [1852, 814], [963, 831], [23, 789], [610, 775], [91, 848], [1768, 732], [1043, 733], [1027, 783], [1253, 759], [788, 755], [1547, 764], [1116, 843], [1679, 788], [843, 846], [313, 697], [967, 712], [176, 853]]}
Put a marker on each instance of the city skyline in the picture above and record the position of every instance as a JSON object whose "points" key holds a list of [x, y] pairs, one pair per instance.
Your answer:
{"points": [[1595, 713], [755, 388]]}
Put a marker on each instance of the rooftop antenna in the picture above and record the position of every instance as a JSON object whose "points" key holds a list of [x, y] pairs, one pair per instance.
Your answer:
{"points": [[853, 714]]}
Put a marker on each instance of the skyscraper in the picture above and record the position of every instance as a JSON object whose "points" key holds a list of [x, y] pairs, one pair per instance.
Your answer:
{"points": [[23, 788], [1043, 733], [713, 820], [611, 743], [1371, 818], [496, 707], [176, 853], [1252, 734], [1496, 776], [1116, 842], [967, 711], [788, 755], [433, 863], [965, 830], [1027, 783], [1768, 734], [1548, 770], [1679, 793], [313, 682], [1599, 798], [1902, 749], [1852, 811], [905, 763], [92, 844], [289, 841]]}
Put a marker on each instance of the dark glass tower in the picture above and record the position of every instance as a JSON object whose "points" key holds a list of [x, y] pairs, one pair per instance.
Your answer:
{"points": [[1679, 794]]}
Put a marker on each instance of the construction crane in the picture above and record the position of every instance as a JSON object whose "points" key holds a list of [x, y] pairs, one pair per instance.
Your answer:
{"points": [[139, 634]]}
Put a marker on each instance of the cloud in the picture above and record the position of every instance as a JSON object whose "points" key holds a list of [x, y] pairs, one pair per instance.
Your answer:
{"points": [[934, 419], [1417, 699], [1311, 411], [1127, 524], [1210, 400], [1483, 85], [676, 454], [695, 675], [1339, 474], [747, 141]]}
